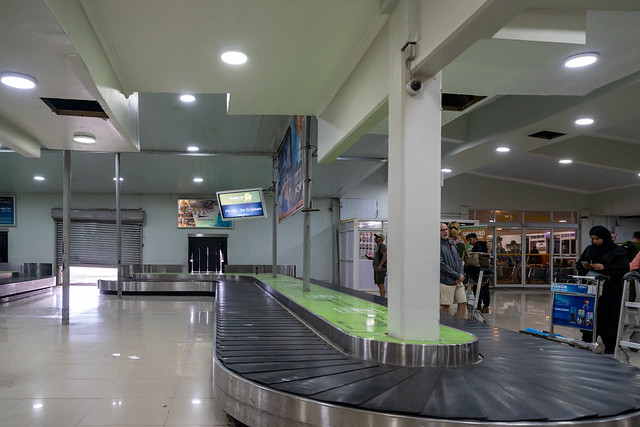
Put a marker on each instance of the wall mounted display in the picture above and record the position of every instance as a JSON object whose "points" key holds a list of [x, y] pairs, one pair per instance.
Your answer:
{"points": [[290, 197], [200, 213], [241, 204], [8, 211]]}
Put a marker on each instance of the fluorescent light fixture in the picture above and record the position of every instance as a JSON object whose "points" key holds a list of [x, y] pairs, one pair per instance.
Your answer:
{"points": [[187, 98], [565, 161], [38, 178], [196, 401], [234, 57], [38, 406], [198, 180], [581, 60], [445, 170], [193, 148], [84, 138], [17, 80], [121, 179], [584, 121], [562, 220], [503, 149]]}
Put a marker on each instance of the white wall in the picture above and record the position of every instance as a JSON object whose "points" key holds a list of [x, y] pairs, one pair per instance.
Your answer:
{"points": [[249, 242]]}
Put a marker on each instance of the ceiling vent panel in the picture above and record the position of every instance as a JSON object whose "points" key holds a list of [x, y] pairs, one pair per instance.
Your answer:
{"points": [[75, 107], [459, 102], [547, 134]]}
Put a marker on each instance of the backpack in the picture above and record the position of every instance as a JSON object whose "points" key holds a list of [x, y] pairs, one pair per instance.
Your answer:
{"points": [[631, 249]]}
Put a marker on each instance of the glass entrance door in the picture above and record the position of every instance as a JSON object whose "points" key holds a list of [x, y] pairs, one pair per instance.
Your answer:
{"points": [[537, 256], [508, 255]]}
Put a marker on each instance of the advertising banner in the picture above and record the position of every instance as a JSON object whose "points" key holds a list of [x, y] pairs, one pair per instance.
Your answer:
{"points": [[290, 197], [200, 213], [8, 211], [574, 311]]}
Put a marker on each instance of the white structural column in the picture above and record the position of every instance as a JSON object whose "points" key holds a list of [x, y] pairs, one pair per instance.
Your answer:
{"points": [[414, 194]]}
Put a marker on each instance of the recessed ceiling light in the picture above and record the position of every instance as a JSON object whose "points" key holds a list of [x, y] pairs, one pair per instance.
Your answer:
{"points": [[445, 170], [121, 179], [584, 121], [234, 57], [187, 98], [198, 179], [565, 161], [84, 138], [18, 80], [193, 148], [581, 60], [503, 149], [38, 178]]}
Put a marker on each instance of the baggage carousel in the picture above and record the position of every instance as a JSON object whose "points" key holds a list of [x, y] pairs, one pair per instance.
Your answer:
{"points": [[274, 366]]}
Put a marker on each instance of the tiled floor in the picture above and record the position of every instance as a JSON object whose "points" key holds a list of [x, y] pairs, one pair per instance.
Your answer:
{"points": [[140, 361]]}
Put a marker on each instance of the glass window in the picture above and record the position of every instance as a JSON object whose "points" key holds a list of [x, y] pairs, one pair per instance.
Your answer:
{"points": [[508, 216], [537, 216], [565, 217], [484, 216]]}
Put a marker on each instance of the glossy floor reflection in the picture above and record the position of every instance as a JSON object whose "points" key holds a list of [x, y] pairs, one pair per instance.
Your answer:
{"points": [[138, 361], [141, 360]]}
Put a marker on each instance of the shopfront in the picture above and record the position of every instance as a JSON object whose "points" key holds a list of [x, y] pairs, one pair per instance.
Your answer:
{"points": [[527, 247]]}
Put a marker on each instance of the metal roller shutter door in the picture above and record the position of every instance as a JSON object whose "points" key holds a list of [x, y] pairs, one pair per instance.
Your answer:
{"points": [[94, 243]]}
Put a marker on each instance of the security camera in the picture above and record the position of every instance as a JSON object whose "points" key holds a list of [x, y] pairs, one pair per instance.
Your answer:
{"points": [[414, 87]]}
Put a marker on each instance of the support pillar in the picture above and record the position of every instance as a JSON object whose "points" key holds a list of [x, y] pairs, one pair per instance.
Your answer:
{"points": [[118, 227], [414, 193], [307, 208], [274, 234], [66, 234]]}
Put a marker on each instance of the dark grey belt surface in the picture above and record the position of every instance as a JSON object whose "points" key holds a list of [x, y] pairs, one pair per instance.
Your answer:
{"points": [[522, 378]]}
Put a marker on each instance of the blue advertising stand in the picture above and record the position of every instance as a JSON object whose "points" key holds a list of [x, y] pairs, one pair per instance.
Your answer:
{"points": [[574, 305]]}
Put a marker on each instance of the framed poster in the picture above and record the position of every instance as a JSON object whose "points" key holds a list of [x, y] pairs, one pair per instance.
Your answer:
{"points": [[200, 213], [290, 173], [8, 211]]}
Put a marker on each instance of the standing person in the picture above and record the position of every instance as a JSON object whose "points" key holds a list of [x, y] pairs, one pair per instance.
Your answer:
{"points": [[474, 272], [605, 257], [456, 239], [451, 276], [379, 262]]}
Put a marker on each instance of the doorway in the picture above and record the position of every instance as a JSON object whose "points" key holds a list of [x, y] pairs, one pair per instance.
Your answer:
{"points": [[4, 246], [207, 253]]}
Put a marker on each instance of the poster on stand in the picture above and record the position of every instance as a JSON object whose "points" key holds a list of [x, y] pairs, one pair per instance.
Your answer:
{"points": [[200, 213], [290, 197], [574, 311], [8, 211]]}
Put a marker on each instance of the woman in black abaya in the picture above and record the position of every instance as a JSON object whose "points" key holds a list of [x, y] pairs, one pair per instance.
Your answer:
{"points": [[605, 257]]}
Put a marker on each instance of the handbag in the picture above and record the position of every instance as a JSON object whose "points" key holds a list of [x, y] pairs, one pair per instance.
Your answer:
{"points": [[478, 259]]}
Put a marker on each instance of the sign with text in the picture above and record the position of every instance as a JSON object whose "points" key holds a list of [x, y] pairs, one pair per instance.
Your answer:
{"points": [[8, 211], [241, 204], [574, 311]]}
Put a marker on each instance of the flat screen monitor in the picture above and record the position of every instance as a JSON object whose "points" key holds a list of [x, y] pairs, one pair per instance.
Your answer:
{"points": [[241, 204]]}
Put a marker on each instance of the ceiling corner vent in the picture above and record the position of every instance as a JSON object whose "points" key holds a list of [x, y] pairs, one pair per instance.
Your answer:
{"points": [[459, 102], [547, 134], [75, 107]]}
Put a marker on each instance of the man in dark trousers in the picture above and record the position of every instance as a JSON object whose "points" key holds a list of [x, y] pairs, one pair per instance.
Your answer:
{"points": [[379, 263], [451, 276], [474, 272]]}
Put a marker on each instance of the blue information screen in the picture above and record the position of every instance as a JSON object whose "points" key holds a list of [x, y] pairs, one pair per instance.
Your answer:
{"points": [[7, 210], [574, 311]]}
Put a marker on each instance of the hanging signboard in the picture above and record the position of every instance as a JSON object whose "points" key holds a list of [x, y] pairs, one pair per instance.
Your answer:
{"points": [[290, 197]]}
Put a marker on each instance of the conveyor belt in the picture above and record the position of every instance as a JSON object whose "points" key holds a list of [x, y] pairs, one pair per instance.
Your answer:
{"points": [[522, 378]]}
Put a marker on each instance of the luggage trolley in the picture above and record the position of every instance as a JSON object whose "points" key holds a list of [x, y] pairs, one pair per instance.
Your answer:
{"points": [[574, 305], [473, 293], [629, 322]]}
